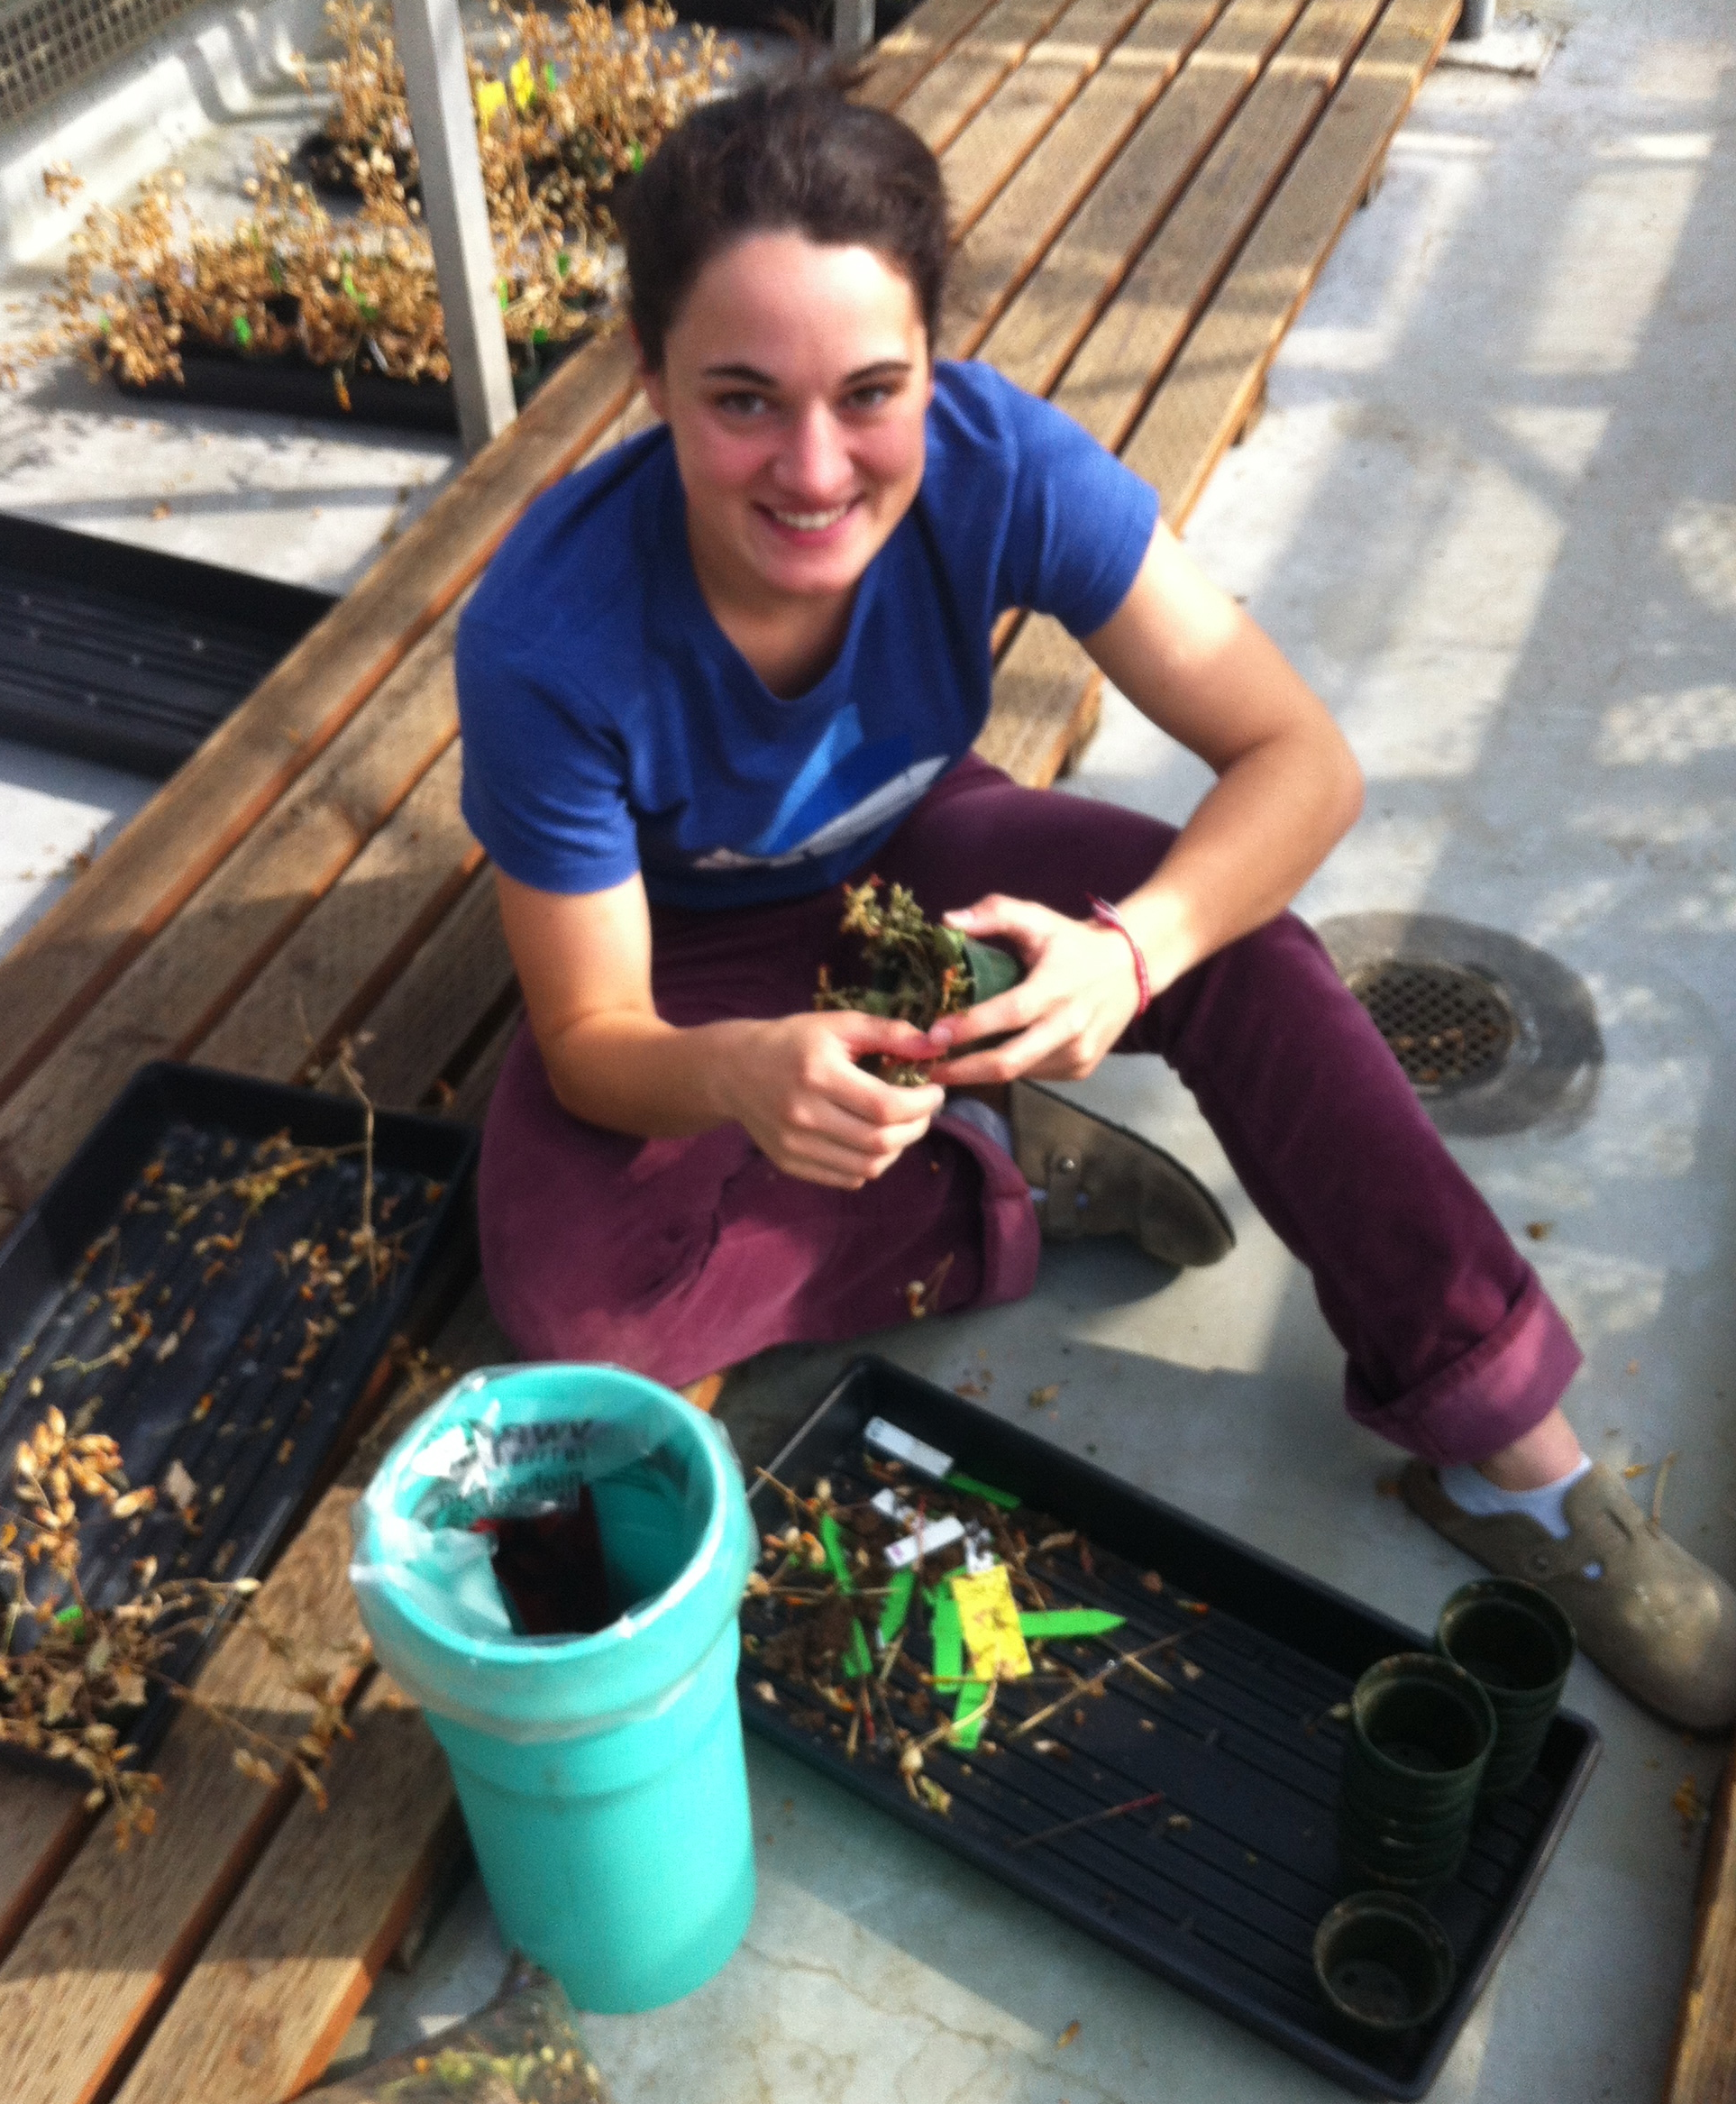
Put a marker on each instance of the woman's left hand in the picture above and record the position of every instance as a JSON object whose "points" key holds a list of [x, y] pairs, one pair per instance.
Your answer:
{"points": [[1079, 993]]}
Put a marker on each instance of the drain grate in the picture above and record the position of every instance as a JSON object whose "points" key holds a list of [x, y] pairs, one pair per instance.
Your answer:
{"points": [[1448, 1028]]}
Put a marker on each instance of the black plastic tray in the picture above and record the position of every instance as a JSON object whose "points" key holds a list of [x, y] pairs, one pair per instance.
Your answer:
{"points": [[1248, 1753], [289, 386], [249, 1400], [128, 655]]}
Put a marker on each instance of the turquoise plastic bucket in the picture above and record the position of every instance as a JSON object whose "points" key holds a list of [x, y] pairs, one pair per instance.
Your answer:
{"points": [[601, 1776]]}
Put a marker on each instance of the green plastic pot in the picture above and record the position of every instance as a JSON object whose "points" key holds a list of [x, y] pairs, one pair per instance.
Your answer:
{"points": [[1420, 1733], [1517, 1643], [992, 970], [1382, 1963]]}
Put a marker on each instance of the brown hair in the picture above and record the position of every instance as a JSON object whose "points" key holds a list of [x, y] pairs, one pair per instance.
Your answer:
{"points": [[795, 154]]}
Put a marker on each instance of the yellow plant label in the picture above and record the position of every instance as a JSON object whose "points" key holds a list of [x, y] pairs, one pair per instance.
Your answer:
{"points": [[491, 97], [989, 1618], [523, 83]]}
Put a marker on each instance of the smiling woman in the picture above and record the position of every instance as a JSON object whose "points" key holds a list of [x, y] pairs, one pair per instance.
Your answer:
{"points": [[740, 661]]}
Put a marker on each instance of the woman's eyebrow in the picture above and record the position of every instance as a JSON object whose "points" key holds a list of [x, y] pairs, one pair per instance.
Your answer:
{"points": [[751, 375]]}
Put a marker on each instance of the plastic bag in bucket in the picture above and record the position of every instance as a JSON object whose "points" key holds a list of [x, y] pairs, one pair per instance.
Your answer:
{"points": [[601, 1775]]}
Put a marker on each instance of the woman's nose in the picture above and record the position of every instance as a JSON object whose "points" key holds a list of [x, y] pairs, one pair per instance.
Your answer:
{"points": [[814, 463]]}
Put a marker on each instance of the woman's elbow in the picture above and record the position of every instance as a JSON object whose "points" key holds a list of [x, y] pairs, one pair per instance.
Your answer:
{"points": [[1347, 788]]}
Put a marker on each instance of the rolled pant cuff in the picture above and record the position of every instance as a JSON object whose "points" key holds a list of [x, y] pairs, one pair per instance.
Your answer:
{"points": [[1488, 1398], [1011, 1236]]}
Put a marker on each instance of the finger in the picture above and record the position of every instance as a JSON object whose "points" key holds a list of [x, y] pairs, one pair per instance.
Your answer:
{"points": [[1054, 1037], [997, 914], [876, 1141]]}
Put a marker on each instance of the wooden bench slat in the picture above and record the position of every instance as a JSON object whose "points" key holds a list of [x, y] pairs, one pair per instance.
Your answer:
{"points": [[1217, 379], [1111, 378], [1010, 239], [342, 956], [950, 97], [266, 2007], [463, 972], [76, 950], [117, 1933], [916, 47], [989, 151], [1132, 202], [1034, 340], [1702, 2053], [1048, 693], [175, 992], [42, 1826]]}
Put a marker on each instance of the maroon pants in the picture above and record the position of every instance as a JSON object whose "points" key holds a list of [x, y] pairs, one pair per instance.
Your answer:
{"points": [[678, 1256]]}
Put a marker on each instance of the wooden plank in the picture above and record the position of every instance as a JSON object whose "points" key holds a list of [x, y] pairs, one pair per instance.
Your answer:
{"points": [[469, 1104], [266, 2007], [174, 993], [357, 939], [938, 109], [992, 146], [1207, 396], [62, 966], [464, 971], [1702, 2053], [1046, 695], [1001, 250], [915, 48], [99, 1961], [1120, 363], [1035, 338], [43, 1825]]}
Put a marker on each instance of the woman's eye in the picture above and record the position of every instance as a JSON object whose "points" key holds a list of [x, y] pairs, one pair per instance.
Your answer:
{"points": [[741, 404], [875, 396]]}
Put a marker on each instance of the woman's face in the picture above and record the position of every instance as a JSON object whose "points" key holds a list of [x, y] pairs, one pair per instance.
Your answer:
{"points": [[795, 382]]}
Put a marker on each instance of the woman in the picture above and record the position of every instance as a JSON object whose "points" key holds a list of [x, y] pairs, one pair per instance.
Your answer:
{"points": [[743, 658]]}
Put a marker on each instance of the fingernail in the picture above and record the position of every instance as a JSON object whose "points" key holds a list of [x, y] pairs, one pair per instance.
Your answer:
{"points": [[940, 1035]]}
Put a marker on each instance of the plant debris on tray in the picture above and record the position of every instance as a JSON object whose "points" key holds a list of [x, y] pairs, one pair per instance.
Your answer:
{"points": [[161, 1408], [932, 1624]]}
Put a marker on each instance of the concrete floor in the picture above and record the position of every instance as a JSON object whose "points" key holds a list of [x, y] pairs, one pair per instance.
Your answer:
{"points": [[1491, 514]]}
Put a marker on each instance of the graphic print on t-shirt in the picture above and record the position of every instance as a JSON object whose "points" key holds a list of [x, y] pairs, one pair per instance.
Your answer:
{"points": [[846, 790]]}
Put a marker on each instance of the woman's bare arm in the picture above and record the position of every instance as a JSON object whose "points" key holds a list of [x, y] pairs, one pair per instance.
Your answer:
{"points": [[584, 963]]}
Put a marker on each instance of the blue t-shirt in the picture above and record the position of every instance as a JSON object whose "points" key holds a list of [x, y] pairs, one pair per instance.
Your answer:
{"points": [[610, 725]]}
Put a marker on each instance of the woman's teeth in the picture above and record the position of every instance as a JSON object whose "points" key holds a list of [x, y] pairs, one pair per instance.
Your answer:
{"points": [[810, 521]]}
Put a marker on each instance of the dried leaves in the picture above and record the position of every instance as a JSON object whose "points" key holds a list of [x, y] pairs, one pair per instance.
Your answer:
{"points": [[585, 99], [70, 1670]]}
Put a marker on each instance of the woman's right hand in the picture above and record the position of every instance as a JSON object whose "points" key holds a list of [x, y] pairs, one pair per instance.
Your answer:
{"points": [[807, 1106]]}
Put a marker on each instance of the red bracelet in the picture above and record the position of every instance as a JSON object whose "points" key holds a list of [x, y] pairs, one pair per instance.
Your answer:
{"points": [[1105, 915]]}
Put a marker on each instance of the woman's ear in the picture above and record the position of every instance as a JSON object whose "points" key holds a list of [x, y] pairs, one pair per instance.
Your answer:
{"points": [[651, 382]]}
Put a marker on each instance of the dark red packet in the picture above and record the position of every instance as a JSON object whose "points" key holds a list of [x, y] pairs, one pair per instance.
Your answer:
{"points": [[551, 1568]]}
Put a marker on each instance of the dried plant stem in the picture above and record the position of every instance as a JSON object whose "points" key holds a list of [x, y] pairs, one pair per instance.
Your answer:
{"points": [[1121, 1659]]}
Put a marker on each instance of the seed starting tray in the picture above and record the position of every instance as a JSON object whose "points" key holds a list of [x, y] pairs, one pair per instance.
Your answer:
{"points": [[227, 1341], [1220, 1886], [128, 655]]}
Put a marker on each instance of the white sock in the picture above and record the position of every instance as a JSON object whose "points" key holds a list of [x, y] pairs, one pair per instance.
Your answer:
{"points": [[1473, 1493]]}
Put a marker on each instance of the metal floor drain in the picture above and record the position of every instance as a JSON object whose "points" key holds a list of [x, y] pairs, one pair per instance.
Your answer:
{"points": [[1494, 1034], [1448, 1028]]}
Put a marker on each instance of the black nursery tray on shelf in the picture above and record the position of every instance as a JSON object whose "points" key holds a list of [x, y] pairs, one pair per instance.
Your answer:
{"points": [[187, 1284], [288, 386], [1219, 1883], [128, 655]]}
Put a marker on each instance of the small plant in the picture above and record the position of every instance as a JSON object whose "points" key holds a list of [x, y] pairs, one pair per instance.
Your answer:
{"points": [[919, 970], [585, 100]]}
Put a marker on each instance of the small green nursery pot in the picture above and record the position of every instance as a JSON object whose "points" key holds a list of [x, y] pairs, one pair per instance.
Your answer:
{"points": [[992, 970], [1420, 1733], [1382, 1963], [1517, 1643]]}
